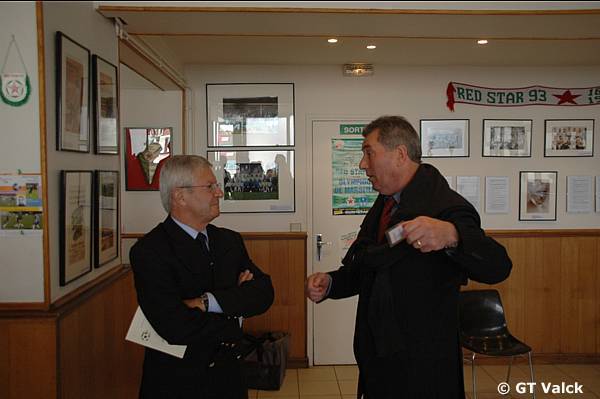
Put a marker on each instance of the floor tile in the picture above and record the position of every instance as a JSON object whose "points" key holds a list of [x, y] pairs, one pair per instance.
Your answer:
{"points": [[346, 372], [321, 397], [320, 373], [312, 388], [348, 387]]}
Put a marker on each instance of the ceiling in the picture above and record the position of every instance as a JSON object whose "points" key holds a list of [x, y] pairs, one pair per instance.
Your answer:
{"points": [[195, 34]]}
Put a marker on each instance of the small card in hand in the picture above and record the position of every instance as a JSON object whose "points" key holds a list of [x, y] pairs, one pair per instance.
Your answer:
{"points": [[394, 234]]}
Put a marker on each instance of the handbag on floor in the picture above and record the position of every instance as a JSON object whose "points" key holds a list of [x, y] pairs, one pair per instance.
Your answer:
{"points": [[265, 359]]}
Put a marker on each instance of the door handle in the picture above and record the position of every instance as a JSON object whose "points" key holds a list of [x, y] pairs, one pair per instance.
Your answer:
{"points": [[320, 244]]}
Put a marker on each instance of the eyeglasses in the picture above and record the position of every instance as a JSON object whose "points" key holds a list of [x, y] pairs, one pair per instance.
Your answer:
{"points": [[212, 187]]}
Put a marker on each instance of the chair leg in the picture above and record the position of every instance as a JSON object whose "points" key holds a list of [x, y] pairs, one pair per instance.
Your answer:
{"points": [[509, 367], [473, 376], [531, 372]]}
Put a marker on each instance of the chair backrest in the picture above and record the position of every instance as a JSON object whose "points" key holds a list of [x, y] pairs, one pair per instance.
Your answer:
{"points": [[481, 313]]}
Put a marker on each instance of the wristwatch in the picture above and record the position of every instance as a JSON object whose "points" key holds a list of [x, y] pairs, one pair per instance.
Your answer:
{"points": [[204, 299]]}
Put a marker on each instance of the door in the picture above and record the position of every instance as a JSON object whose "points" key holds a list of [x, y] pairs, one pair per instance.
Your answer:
{"points": [[339, 187]]}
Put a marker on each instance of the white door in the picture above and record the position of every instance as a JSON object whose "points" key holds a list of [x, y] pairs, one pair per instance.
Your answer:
{"points": [[336, 155]]}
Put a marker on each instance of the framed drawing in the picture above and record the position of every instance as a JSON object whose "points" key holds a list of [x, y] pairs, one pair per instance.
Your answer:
{"points": [[146, 149], [72, 95], [250, 114], [569, 138], [537, 195], [507, 138], [75, 224], [106, 108], [444, 138], [255, 181], [106, 216]]}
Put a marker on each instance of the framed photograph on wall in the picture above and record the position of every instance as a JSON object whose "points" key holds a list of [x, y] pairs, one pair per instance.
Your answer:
{"points": [[250, 114], [72, 95], [255, 181], [106, 108], [537, 195], [507, 138], [569, 138], [444, 138], [75, 224], [146, 150], [106, 216]]}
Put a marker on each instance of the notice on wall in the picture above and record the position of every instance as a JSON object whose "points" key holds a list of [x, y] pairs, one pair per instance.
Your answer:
{"points": [[579, 194], [20, 204], [496, 194], [352, 193], [468, 187]]}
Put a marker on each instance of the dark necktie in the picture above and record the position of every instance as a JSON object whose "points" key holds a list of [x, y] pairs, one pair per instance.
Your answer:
{"points": [[384, 220], [201, 240]]}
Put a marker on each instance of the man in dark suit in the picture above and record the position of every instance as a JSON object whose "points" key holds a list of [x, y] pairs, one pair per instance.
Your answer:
{"points": [[195, 283], [406, 337]]}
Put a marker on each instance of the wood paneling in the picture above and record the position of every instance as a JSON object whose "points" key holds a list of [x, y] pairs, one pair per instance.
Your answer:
{"points": [[552, 297], [283, 257]]}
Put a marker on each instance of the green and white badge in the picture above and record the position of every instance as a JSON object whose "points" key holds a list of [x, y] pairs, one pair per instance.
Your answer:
{"points": [[16, 87]]}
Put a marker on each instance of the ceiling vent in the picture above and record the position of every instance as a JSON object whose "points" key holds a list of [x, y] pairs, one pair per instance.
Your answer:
{"points": [[358, 70]]}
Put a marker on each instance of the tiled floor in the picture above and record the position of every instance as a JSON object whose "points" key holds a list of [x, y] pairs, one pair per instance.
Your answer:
{"points": [[339, 382]]}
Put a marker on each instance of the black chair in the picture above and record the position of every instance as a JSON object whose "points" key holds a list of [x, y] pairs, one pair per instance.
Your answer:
{"points": [[483, 330]]}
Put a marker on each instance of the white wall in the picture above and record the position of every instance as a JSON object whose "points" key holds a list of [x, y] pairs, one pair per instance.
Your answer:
{"points": [[82, 23], [416, 93], [21, 256]]}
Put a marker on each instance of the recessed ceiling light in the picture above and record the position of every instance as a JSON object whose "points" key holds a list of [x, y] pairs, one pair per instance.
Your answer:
{"points": [[482, 41], [371, 46], [332, 40]]}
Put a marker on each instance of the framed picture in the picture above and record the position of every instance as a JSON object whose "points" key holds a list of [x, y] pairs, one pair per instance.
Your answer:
{"points": [[75, 224], [569, 138], [106, 216], [72, 95], [106, 106], [146, 149], [507, 138], [255, 181], [537, 195], [250, 114], [444, 138]]}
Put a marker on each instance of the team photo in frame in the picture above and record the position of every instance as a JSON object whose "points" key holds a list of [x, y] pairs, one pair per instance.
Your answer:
{"points": [[507, 138], [444, 138], [569, 138]]}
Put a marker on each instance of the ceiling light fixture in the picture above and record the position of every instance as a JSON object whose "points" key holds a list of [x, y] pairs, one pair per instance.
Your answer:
{"points": [[358, 70], [371, 46], [332, 40], [482, 41]]}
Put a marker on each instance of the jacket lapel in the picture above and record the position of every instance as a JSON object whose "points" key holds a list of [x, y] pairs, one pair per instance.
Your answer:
{"points": [[185, 248]]}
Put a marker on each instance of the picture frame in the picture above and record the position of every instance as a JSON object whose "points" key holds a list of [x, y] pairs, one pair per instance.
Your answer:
{"points": [[444, 138], [146, 150], [569, 138], [507, 138], [106, 216], [537, 195], [250, 114], [105, 96], [72, 95], [76, 203], [255, 181]]}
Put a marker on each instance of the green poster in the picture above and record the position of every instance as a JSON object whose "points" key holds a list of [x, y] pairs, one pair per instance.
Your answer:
{"points": [[352, 193]]}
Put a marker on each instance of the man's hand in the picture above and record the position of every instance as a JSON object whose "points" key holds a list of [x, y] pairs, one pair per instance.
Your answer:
{"points": [[428, 234], [246, 275], [317, 285], [195, 303]]}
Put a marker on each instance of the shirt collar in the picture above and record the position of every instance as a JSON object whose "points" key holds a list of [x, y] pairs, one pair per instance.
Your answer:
{"points": [[190, 230]]}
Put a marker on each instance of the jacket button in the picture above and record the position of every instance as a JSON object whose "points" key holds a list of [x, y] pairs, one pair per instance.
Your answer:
{"points": [[238, 356], [212, 263], [212, 364]]}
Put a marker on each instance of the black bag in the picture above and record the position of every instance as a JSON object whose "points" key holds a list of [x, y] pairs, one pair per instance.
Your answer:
{"points": [[265, 360]]}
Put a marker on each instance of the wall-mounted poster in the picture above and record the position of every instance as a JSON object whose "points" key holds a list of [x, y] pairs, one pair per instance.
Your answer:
{"points": [[537, 195], [506, 138], [250, 114], [72, 95], [21, 204], [106, 110], [569, 138], [146, 150], [352, 192], [444, 138], [106, 226], [75, 225], [255, 181]]}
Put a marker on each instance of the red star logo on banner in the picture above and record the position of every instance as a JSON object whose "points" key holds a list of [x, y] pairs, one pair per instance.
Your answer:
{"points": [[566, 97]]}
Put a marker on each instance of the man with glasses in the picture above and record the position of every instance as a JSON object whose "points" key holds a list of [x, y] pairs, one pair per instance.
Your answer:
{"points": [[195, 282]]}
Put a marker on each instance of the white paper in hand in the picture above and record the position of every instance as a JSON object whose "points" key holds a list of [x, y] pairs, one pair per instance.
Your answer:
{"points": [[142, 333]]}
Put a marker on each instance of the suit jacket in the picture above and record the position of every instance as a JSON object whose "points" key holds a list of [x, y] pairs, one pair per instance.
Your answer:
{"points": [[425, 289], [169, 266]]}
